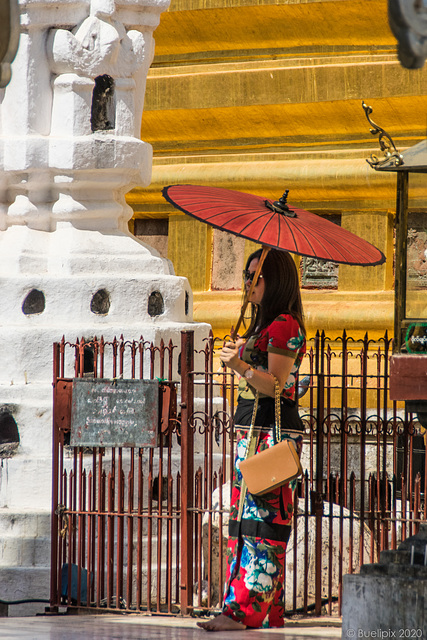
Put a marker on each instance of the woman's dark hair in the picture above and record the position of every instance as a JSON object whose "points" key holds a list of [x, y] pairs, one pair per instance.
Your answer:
{"points": [[281, 294]]}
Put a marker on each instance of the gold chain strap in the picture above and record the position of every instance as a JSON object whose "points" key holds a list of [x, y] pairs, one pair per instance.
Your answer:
{"points": [[276, 415], [243, 488], [277, 407]]}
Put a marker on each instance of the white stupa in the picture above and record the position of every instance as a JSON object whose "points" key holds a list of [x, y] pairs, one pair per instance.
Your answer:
{"points": [[70, 150]]}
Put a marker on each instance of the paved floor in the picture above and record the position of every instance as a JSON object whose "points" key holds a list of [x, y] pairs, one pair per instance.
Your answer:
{"points": [[129, 627]]}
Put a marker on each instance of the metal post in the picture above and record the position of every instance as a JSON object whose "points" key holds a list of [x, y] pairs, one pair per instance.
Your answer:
{"points": [[401, 257], [318, 503], [344, 434], [54, 596], [187, 470], [363, 412]]}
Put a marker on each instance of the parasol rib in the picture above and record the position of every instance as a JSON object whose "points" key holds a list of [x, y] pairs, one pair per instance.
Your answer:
{"points": [[259, 221]]}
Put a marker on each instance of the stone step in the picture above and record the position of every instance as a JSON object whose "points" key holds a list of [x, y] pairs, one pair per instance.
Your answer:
{"points": [[35, 552], [24, 524], [24, 552]]}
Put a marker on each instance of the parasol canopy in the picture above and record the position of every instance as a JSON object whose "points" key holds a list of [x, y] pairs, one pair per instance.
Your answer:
{"points": [[273, 224]]}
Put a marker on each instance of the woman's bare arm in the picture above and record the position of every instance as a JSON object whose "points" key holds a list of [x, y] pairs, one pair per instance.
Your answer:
{"points": [[278, 365]]}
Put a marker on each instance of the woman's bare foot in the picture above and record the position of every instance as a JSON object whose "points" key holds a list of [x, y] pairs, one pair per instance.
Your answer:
{"points": [[221, 623]]}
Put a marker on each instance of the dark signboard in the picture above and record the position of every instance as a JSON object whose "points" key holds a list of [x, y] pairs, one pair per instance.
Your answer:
{"points": [[118, 413]]}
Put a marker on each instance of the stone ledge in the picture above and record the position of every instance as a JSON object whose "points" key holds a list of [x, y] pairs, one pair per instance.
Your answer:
{"points": [[24, 523], [25, 552]]}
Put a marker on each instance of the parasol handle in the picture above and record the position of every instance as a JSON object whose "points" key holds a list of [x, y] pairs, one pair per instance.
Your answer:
{"points": [[263, 256]]}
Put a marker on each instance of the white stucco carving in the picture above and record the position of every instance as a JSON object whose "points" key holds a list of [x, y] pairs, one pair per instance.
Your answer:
{"points": [[47, 112], [96, 47]]}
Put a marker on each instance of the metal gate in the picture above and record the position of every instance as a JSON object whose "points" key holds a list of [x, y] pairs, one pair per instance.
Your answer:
{"points": [[144, 529]]}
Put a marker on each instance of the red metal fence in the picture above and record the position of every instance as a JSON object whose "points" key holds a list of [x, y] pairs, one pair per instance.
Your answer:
{"points": [[145, 529]]}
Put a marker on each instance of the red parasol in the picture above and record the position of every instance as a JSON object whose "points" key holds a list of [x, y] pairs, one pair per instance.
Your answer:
{"points": [[273, 224]]}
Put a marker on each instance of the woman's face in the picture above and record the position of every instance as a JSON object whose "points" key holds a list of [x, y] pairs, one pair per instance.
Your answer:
{"points": [[258, 291]]}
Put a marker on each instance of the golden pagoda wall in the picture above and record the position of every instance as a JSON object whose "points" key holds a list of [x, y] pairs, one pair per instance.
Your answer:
{"points": [[263, 96]]}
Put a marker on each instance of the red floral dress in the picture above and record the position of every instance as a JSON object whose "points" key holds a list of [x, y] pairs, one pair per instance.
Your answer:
{"points": [[254, 593]]}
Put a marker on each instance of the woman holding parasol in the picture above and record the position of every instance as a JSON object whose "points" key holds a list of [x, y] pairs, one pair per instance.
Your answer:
{"points": [[272, 347]]}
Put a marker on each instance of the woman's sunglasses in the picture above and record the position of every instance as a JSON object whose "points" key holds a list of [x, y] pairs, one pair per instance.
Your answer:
{"points": [[248, 276]]}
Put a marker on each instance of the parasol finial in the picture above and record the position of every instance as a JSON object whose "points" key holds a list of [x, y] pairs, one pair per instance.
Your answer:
{"points": [[281, 206]]}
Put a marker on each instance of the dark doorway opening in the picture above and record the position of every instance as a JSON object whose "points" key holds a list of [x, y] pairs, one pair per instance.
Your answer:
{"points": [[103, 116]]}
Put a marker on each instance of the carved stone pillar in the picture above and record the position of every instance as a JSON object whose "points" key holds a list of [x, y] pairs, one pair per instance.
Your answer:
{"points": [[69, 151]]}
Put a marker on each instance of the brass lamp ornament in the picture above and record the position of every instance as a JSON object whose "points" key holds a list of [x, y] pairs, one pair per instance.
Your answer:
{"points": [[386, 143]]}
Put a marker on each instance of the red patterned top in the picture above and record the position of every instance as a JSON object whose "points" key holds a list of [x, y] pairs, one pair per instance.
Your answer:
{"points": [[282, 336]]}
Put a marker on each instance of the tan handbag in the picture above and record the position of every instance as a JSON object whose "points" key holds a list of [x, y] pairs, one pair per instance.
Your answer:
{"points": [[273, 467]]}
